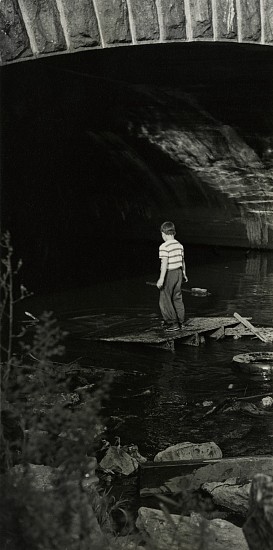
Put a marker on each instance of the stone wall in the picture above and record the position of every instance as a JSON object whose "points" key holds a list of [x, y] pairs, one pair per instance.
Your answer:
{"points": [[34, 28]]}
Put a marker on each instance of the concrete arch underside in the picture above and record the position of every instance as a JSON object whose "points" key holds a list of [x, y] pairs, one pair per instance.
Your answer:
{"points": [[36, 28]]}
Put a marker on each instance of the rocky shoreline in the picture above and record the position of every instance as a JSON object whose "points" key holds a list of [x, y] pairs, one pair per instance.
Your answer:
{"points": [[219, 500]]}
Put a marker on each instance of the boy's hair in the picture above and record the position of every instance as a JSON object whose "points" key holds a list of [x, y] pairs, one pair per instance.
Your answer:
{"points": [[168, 228]]}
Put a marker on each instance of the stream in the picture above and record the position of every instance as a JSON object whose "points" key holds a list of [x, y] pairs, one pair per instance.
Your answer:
{"points": [[158, 398]]}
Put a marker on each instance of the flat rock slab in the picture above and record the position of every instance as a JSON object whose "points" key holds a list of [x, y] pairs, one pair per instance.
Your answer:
{"points": [[156, 478], [190, 533], [158, 335]]}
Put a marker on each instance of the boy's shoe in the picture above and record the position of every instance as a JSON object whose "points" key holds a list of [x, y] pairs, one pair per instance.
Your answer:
{"points": [[172, 328]]}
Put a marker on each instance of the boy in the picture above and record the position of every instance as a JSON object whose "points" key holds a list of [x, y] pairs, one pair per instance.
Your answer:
{"points": [[172, 274]]}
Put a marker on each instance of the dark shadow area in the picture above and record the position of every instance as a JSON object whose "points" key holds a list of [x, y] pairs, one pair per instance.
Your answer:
{"points": [[81, 193]]}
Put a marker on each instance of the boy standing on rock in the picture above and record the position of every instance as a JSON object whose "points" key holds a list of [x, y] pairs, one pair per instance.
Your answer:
{"points": [[172, 274]]}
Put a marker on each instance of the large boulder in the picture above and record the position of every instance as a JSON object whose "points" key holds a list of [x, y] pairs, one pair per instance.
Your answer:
{"points": [[174, 532], [189, 451], [220, 470], [231, 494]]}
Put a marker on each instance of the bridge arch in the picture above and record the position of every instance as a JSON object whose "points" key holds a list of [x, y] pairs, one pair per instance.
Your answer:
{"points": [[37, 28]]}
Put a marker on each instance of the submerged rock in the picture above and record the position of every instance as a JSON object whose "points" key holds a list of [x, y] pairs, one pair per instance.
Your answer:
{"points": [[189, 451], [176, 532], [231, 494]]}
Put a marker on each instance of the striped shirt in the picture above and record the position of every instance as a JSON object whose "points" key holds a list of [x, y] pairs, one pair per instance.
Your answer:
{"points": [[174, 251]]}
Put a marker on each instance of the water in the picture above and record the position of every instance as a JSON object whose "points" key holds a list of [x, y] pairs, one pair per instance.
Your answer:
{"points": [[157, 397]]}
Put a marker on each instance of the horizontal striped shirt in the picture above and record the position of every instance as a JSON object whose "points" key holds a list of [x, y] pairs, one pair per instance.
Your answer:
{"points": [[174, 252]]}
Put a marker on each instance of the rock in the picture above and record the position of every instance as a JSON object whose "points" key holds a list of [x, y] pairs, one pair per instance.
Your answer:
{"points": [[118, 461], [238, 433], [133, 451], [189, 451], [239, 467], [258, 528], [127, 543], [230, 494], [201, 291], [267, 401], [174, 532], [83, 389], [246, 408]]}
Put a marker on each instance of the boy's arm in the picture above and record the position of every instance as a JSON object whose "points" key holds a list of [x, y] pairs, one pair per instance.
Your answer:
{"points": [[184, 271], [163, 271]]}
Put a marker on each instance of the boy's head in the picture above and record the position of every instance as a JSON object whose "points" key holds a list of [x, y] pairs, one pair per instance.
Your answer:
{"points": [[168, 228]]}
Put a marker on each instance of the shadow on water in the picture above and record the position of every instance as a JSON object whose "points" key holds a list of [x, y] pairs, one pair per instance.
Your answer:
{"points": [[158, 398]]}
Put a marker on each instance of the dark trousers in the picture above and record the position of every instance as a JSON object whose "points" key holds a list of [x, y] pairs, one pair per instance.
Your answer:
{"points": [[170, 298]]}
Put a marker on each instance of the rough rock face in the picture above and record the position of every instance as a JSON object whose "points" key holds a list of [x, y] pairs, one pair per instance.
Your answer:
{"points": [[214, 167], [174, 19], [251, 20], [145, 20], [114, 21], [190, 451], [231, 494], [81, 28], [43, 24], [55, 25], [240, 468], [189, 532], [201, 19], [14, 40], [268, 21]]}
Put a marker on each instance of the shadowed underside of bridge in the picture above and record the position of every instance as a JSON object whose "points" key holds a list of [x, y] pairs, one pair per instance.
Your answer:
{"points": [[35, 28]]}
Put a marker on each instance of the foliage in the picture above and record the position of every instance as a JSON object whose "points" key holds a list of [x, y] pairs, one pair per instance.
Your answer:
{"points": [[50, 497]]}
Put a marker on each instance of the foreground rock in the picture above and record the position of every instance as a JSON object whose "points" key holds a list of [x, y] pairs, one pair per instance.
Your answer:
{"points": [[175, 532], [239, 467], [258, 528], [189, 451], [230, 494]]}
